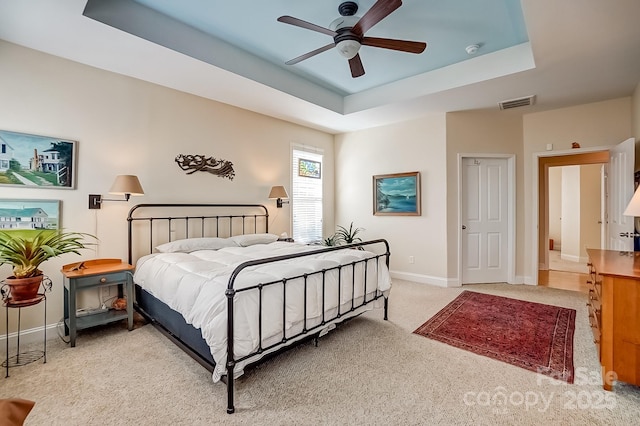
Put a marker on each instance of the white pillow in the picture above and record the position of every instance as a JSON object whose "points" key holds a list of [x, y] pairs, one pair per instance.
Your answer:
{"points": [[251, 239], [192, 244]]}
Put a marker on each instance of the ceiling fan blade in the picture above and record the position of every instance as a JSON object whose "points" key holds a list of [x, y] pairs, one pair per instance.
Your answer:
{"points": [[380, 10], [389, 43], [304, 24], [310, 54], [357, 69]]}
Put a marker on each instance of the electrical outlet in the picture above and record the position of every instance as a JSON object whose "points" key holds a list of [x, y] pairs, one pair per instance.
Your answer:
{"points": [[411, 259]]}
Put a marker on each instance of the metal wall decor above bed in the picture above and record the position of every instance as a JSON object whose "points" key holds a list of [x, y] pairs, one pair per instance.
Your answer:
{"points": [[259, 296], [192, 163]]}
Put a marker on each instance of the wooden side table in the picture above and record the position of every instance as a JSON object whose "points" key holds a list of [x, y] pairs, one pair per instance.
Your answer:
{"points": [[95, 274], [34, 355]]}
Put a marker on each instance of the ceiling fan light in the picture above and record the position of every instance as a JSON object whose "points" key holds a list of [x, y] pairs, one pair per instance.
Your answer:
{"points": [[348, 48]]}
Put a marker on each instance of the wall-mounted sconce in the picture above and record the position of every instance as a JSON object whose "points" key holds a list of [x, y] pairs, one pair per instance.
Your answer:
{"points": [[278, 192], [126, 185]]}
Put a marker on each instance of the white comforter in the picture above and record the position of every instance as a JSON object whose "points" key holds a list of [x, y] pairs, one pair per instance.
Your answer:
{"points": [[194, 284]]}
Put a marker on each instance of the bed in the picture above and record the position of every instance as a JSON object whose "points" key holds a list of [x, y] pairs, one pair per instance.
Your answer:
{"points": [[228, 292]]}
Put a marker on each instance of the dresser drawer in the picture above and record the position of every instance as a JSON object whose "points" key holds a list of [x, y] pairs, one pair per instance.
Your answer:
{"points": [[101, 279]]}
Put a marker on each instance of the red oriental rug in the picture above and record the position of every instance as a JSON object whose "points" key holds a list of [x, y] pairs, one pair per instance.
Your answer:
{"points": [[530, 335]]}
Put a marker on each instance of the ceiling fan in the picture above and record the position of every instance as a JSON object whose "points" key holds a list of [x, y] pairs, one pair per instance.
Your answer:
{"points": [[348, 33]]}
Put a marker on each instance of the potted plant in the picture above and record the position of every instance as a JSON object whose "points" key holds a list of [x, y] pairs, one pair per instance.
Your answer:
{"points": [[329, 241], [26, 254], [348, 236]]}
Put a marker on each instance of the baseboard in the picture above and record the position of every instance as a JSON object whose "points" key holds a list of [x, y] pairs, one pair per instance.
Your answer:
{"points": [[28, 336], [519, 279], [425, 279], [439, 281], [570, 258]]}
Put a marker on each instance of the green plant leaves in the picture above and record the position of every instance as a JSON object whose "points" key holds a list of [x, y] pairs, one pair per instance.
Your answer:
{"points": [[26, 254]]}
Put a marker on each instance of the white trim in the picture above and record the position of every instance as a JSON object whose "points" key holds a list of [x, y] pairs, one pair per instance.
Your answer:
{"points": [[535, 157], [519, 279], [308, 148], [511, 213], [570, 258], [31, 335], [425, 279]]}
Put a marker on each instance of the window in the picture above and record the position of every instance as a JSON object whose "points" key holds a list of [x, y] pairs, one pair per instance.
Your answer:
{"points": [[306, 194]]}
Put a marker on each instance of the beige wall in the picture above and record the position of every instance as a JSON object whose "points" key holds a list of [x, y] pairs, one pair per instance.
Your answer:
{"points": [[599, 124], [481, 132], [124, 125], [417, 145]]}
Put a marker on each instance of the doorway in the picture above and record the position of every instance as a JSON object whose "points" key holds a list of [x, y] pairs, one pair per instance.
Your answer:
{"points": [[552, 277], [576, 215]]}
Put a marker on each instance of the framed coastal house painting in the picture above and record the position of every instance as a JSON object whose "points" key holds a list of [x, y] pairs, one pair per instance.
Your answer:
{"points": [[396, 194], [26, 216], [34, 161]]}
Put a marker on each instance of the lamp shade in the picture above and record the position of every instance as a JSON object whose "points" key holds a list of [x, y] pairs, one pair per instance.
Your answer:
{"points": [[126, 184], [633, 208], [278, 192]]}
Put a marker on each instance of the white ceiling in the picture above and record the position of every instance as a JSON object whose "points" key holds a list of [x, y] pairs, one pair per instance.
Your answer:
{"points": [[577, 51]]}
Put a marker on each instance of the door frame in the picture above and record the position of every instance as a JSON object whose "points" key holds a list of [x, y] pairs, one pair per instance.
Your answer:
{"points": [[511, 211], [541, 161]]}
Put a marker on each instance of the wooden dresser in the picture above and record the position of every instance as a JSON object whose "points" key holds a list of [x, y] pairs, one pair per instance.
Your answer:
{"points": [[614, 313]]}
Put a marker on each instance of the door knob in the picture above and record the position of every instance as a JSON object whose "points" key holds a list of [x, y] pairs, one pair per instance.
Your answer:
{"points": [[464, 226]]}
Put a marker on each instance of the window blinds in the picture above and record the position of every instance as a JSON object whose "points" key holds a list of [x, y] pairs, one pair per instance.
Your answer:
{"points": [[306, 198]]}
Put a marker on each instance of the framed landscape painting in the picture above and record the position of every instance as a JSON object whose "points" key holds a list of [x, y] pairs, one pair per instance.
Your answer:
{"points": [[396, 194], [36, 161], [28, 217]]}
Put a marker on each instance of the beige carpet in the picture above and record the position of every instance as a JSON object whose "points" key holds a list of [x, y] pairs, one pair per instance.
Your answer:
{"points": [[369, 371]]}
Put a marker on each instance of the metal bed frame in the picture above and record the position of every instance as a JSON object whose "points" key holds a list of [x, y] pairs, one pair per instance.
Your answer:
{"points": [[190, 339]]}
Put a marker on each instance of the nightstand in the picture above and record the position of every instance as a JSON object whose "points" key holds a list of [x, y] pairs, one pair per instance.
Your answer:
{"points": [[95, 274]]}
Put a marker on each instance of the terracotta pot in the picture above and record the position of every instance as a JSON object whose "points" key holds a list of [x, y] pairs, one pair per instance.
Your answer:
{"points": [[23, 288]]}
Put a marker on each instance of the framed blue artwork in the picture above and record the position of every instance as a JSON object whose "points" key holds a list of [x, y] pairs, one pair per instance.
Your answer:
{"points": [[396, 194]]}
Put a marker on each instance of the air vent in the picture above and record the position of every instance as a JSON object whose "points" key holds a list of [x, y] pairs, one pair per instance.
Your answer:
{"points": [[520, 102]]}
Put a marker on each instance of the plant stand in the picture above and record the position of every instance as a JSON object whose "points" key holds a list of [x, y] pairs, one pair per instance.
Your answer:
{"points": [[28, 357]]}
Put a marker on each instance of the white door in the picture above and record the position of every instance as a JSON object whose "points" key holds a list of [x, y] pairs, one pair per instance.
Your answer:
{"points": [[485, 222], [620, 190]]}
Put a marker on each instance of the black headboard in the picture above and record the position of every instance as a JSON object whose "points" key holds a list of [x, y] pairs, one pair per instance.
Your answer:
{"points": [[160, 223]]}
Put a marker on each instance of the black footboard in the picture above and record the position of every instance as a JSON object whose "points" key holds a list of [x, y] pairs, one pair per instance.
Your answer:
{"points": [[154, 224], [356, 303]]}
